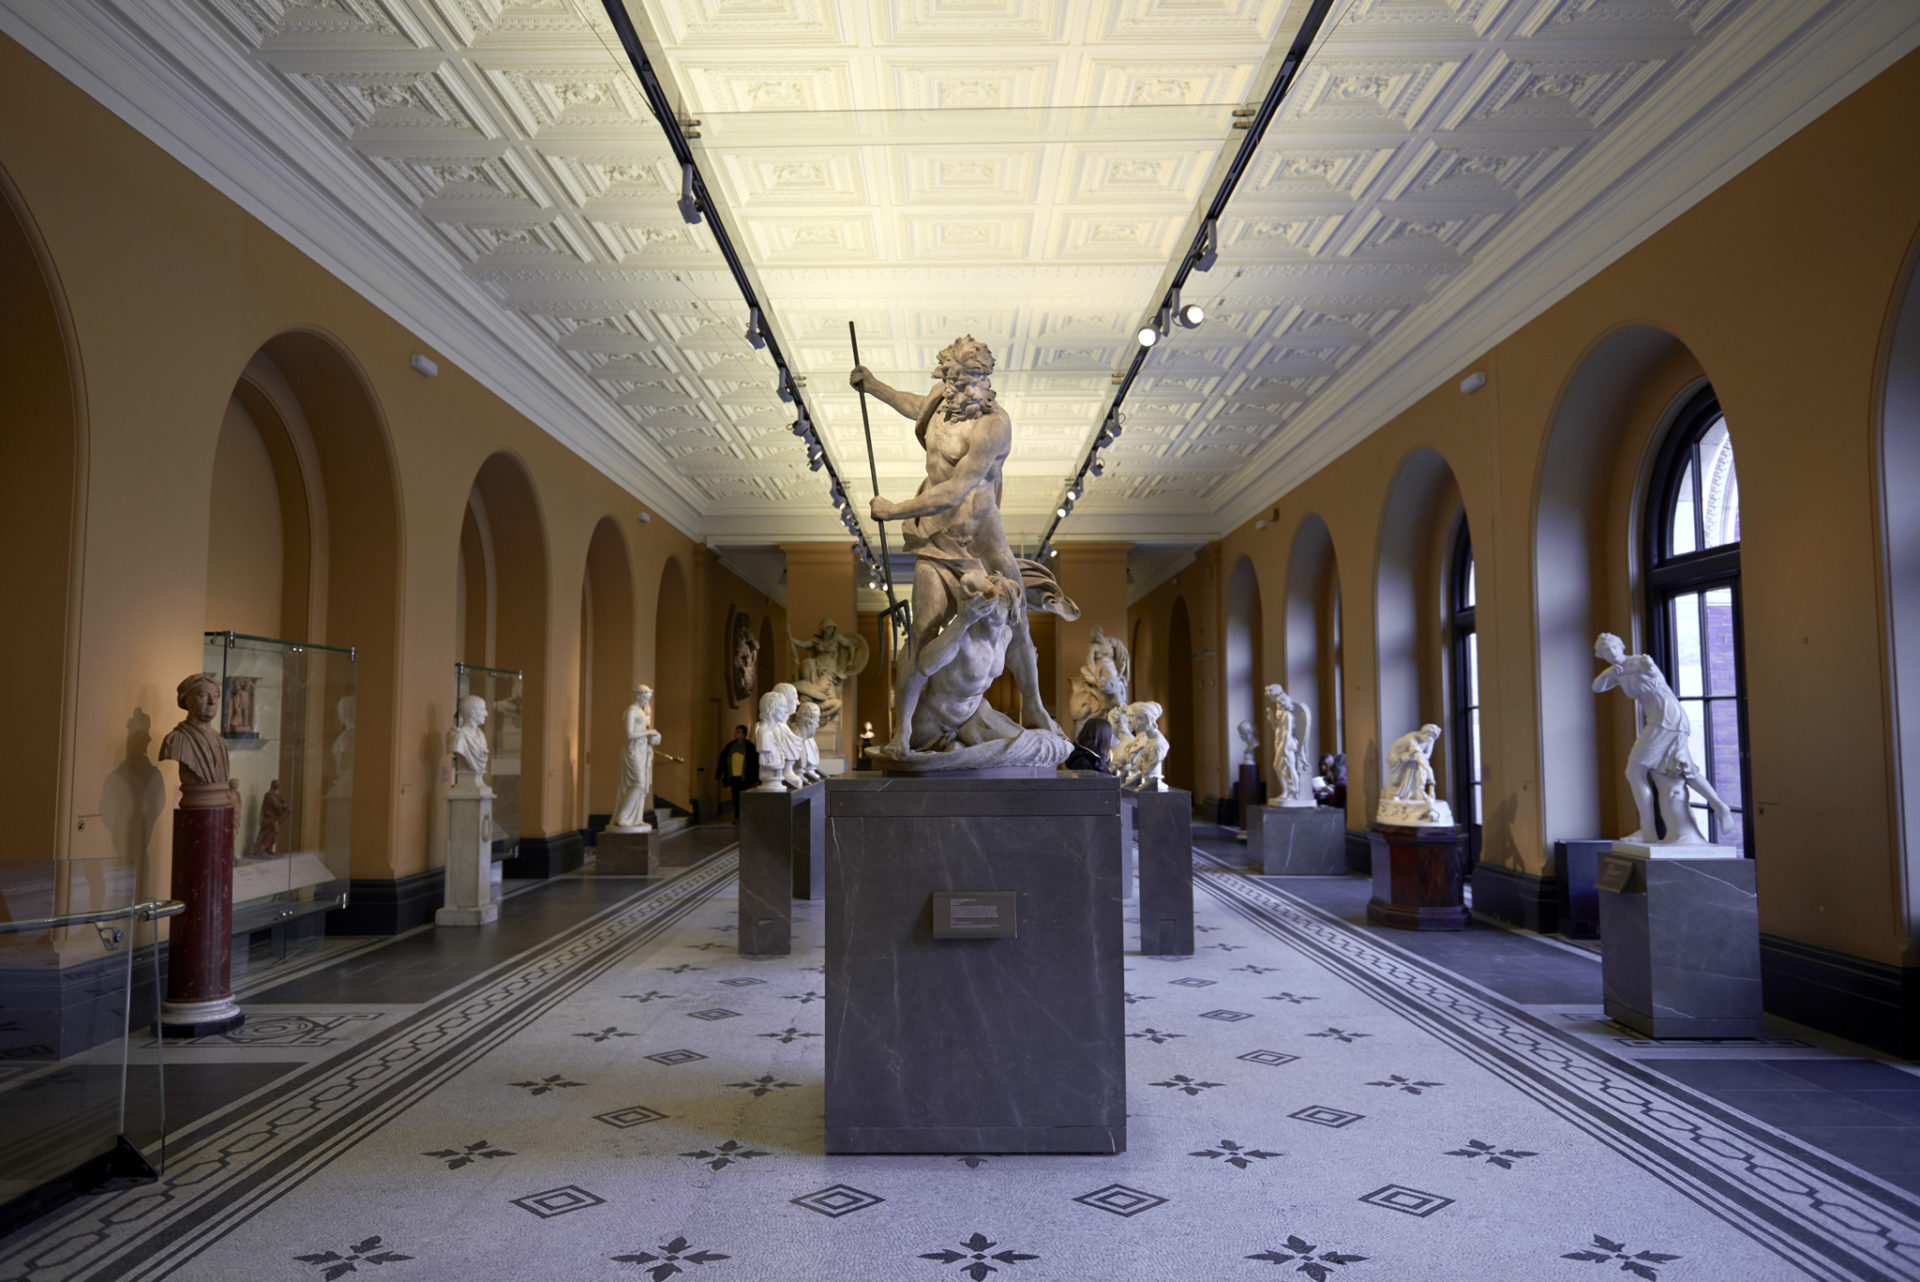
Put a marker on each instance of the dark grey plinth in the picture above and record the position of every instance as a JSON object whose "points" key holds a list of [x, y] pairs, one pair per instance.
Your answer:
{"points": [[627, 854], [1297, 841], [1575, 864], [1129, 847], [1680, 947], [1165, 826], [810, 843], [767, 824], [974, 1045]]}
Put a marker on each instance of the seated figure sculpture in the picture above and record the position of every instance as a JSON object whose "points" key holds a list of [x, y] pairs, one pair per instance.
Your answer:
{"points": [[1408, 796], [1660, 765]]}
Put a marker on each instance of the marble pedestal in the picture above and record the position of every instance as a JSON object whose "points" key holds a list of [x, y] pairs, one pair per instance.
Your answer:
{"points": [[981, 1045], [810, 843], [1297, 841], [1165, 827], [768, 824], [1419, 876], [1129, 847], [627, 854], [1680, 944], [469, 892], [199, 1000], [1575, 865]]}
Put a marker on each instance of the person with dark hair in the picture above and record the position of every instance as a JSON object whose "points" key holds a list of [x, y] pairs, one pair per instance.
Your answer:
{"points": [[739, 767]]}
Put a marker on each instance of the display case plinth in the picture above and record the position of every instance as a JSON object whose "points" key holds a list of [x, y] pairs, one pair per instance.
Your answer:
{"points": [[199, 998], [772, 825], [1297, 841], [469, 900], [1007, 1033], [627, 854], [1419, 876], [1165, 826]]}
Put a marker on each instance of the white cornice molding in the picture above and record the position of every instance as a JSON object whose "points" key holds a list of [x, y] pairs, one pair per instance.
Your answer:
{"points": [[330, 209], [1730, 111]]}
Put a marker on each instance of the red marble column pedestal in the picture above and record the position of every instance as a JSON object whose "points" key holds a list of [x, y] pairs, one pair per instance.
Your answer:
{"points": [[199, 999], [1419, 876]]}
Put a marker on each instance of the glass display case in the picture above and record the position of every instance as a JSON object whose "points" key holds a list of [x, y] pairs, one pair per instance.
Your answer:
{"points": [[500, 687], [287, 714]]}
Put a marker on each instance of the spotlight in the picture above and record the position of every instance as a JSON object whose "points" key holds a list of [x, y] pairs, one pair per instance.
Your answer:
{"points": [[1060, 512], [1094, 466], [814, 461], [786, 386], [1148, 336], [756, 337], [689, 199], [1189, 315], [1072, 494], [1209, 246], [801, 427], [1053, 551]]}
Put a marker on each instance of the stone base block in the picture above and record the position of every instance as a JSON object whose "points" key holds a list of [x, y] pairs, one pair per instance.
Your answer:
{"points": [[1575, 865], [1419, 876], [810, 843], [1297, 841], [628, 854], [767, 841], [1129, 847], [199, 1019], [484, 915], [1165, 822], [1680, 945], [469, 884], [1012, 1044]]}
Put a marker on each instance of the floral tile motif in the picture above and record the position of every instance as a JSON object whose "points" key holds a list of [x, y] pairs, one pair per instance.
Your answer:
{"points": [[671, 1256], [788, 1035], [725, 1154], [455, 1158], [1181, 1082], [1302, 1254], [651, 995], [1504, 1158], [1235, 1155], [337, 1264], [604, 1034], [762, 1085], [1395, 1081], [1118, 1199], [1641, 1264], [973, 1261], [547, 1085], [1155, 1036], [1339, 1035], [1294, 998]]}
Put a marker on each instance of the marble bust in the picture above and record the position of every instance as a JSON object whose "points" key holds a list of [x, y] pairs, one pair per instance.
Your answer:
{"points": [[636, 766], [196, 743], [1249, 743], [467, 743], [1146, 762], [1408, 795], [805, 723], [1292, 723], [773, 737], [1660, 765]]}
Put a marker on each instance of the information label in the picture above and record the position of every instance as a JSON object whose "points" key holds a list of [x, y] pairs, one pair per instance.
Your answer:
{"points": [[1616, 872], [974, 914]]}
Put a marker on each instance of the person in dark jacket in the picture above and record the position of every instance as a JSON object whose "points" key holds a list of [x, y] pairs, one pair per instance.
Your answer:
{"points": [[739, 767]]}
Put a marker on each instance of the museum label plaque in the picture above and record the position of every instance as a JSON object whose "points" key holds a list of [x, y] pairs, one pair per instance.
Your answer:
{"points": [[1615, 873], [974, 914]]}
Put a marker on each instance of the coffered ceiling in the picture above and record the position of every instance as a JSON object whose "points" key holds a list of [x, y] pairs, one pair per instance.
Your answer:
{"points": [[1025, 170]]}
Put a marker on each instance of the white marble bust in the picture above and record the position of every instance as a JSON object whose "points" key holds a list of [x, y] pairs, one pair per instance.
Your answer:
{"points": [[467, 743]]}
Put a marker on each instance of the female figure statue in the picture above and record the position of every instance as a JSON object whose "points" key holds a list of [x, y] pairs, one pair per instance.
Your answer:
{"points": [[1661, 750], [1149, 758], [1292, 721], [636, 766]]}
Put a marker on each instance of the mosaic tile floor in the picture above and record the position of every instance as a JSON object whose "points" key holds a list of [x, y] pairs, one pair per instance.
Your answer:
{"points": [[628, 1098]]}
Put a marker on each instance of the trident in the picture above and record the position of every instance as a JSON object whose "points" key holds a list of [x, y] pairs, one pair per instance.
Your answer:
{"points": [[898, 613]]}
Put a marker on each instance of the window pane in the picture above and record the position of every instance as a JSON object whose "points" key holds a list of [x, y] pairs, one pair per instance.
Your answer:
{"points": [[1723, 748], [1719, 644], [1476, 804], [1696, 710], [1686, 675], [1468, 599], [1681, 539], [1473, 668], [1719, 487], [1473, 745]]}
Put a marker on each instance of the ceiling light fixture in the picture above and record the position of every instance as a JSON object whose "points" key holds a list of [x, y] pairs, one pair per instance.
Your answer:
{"points": [[1148, 336], [689, 193], [1207, 253], [756, 337]]}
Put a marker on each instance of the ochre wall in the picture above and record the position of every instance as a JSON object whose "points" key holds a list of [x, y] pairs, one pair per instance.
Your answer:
{"points": [[1783, 297]]}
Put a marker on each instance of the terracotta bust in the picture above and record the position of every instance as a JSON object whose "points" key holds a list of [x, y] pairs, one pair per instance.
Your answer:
{"points": [[195, 743]]}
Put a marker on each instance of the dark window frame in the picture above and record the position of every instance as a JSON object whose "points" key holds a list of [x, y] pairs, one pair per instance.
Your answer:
{"points": [[1460, 626], [1668, 575]]}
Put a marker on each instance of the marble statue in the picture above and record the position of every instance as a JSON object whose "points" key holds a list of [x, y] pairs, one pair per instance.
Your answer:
{"points": [[774, 739], [275, 810], [1408, 797], [195, 743], [1147, 755], [963, 564], [822, 664], [467, 743], [1102, 681], [1249, 743], [1660, 765], [343, 742], [805, 723], [636, 766], [743, 654], [1292, 723], [239, 719]]}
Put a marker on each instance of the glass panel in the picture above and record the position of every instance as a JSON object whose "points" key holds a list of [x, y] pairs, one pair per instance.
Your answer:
{"points": [[1477, 819], [1687, 678], [287, 711], [67, 1090], [1467, 598], [1719, 487], [1473, 745], [500, 687], [1696, 710], [1473, 668], [1722, 761], [1720, 656], [1681, 538]]}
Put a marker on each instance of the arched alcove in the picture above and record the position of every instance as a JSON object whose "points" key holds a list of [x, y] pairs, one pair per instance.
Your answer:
{"points": [[606, 667], [1179, 703], [473, 599], [1242, 651], [1143, 658], [1312, 629], [1409, 580], [1583, 559], [673, 684], [42, 453], [1900, 517], [505, 511]]}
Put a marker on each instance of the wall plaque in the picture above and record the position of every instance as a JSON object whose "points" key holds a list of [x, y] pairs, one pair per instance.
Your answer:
{"points": [[973, 914], [1616, 874]]}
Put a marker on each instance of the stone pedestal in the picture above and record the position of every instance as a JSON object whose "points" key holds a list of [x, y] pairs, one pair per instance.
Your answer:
{"points": [[1419, 876], [1297, 841], [1165, 828], [810, 843], [1012, 1044], [1246, 794], [767, 839], [1680, 943], [199, 1000], [1575, 865], [1129, 846], [628, 854], [469, 895]]}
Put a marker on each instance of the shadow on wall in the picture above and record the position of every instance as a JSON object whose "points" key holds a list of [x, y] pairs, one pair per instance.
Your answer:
{"points": [[134, 795]]}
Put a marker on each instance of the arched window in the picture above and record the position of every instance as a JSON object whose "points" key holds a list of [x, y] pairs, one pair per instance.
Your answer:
{"points": [[1465, 662], [1693, 604]]}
